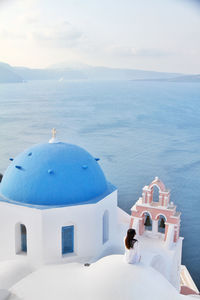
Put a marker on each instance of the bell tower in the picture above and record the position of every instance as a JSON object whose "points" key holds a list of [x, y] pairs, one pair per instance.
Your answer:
{"points": [[159, 218]]}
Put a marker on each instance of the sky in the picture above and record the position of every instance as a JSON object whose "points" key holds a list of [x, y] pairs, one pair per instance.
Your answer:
{"points": [[160, 35]]}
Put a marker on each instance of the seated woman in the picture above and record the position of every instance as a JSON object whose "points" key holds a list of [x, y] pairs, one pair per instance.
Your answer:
{"points": [[132, 251]]}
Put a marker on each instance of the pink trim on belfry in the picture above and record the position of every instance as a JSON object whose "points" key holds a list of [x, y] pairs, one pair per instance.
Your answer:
{"points": [[131, 223], [185, 290], [166, 231], [155, 209]]}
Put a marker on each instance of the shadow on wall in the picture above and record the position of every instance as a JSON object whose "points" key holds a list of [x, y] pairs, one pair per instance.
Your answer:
{"points": [[158, 263]]}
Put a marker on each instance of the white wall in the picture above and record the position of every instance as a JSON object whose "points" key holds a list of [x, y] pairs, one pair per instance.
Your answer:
{"points": [[88, 229], [10, 215], [176, 264], [44, 230], [168, 263]]}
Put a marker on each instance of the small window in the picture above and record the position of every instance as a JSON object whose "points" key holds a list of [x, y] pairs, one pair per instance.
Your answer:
{"points": [[23, 238], [105, 227], [67, 239]]}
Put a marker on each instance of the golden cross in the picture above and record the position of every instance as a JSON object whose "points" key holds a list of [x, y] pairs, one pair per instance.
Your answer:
{"points": [[53, 133]]}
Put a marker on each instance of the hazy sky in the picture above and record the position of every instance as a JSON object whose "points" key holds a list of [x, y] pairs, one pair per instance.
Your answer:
{"points": [[161, 35]]}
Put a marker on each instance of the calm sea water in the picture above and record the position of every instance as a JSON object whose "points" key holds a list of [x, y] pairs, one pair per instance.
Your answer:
{"points": [[139, 130]]}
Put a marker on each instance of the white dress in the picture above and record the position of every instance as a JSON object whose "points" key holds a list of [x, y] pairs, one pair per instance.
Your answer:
{"points": [[132, 255]]}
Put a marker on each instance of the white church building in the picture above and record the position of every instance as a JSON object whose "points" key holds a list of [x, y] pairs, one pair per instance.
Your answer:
{"points": [[57, 207]]}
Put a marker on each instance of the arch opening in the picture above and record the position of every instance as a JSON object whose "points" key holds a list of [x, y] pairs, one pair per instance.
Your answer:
{"points": [[147, 221], [156, 192], [20, 239], [161, 223]]}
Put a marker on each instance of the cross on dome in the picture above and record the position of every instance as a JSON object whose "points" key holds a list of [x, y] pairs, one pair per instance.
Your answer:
{"points": [[53, 139], [53, 133]]}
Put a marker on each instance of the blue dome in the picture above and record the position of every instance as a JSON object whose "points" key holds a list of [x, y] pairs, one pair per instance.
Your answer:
{"points": [[56, 174]]}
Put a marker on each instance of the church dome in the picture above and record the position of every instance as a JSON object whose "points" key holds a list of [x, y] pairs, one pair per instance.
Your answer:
{"points": [[55, 174]]}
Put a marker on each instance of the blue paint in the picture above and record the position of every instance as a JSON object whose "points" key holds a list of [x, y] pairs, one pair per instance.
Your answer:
{"points": [[18, 167], [23, 238], [111, 188], [30, 153], [84, 167], [97, 159], [50, 171], [70, 186], [11, 159], [67, 239]]}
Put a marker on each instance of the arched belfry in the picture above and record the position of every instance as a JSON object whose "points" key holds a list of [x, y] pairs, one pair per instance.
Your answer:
{"points": [[163, 216], [164, 194]]}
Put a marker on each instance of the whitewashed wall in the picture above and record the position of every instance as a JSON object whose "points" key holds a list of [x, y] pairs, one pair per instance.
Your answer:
{"points": [[10, 216], [44, 230], [88, 229]]}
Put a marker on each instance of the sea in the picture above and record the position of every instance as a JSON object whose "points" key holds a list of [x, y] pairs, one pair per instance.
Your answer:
{"points": [[138, 129]]}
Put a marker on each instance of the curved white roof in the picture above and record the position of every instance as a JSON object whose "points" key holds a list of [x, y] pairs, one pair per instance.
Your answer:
{"points": [[108, 279]]}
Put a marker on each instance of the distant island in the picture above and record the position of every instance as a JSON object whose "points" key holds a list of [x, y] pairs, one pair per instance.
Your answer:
{"points": [[9, 74], [183, 78]]}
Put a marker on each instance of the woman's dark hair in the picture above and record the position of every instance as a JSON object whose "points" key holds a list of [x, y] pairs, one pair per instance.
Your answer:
{"points": [[129, 240]]}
